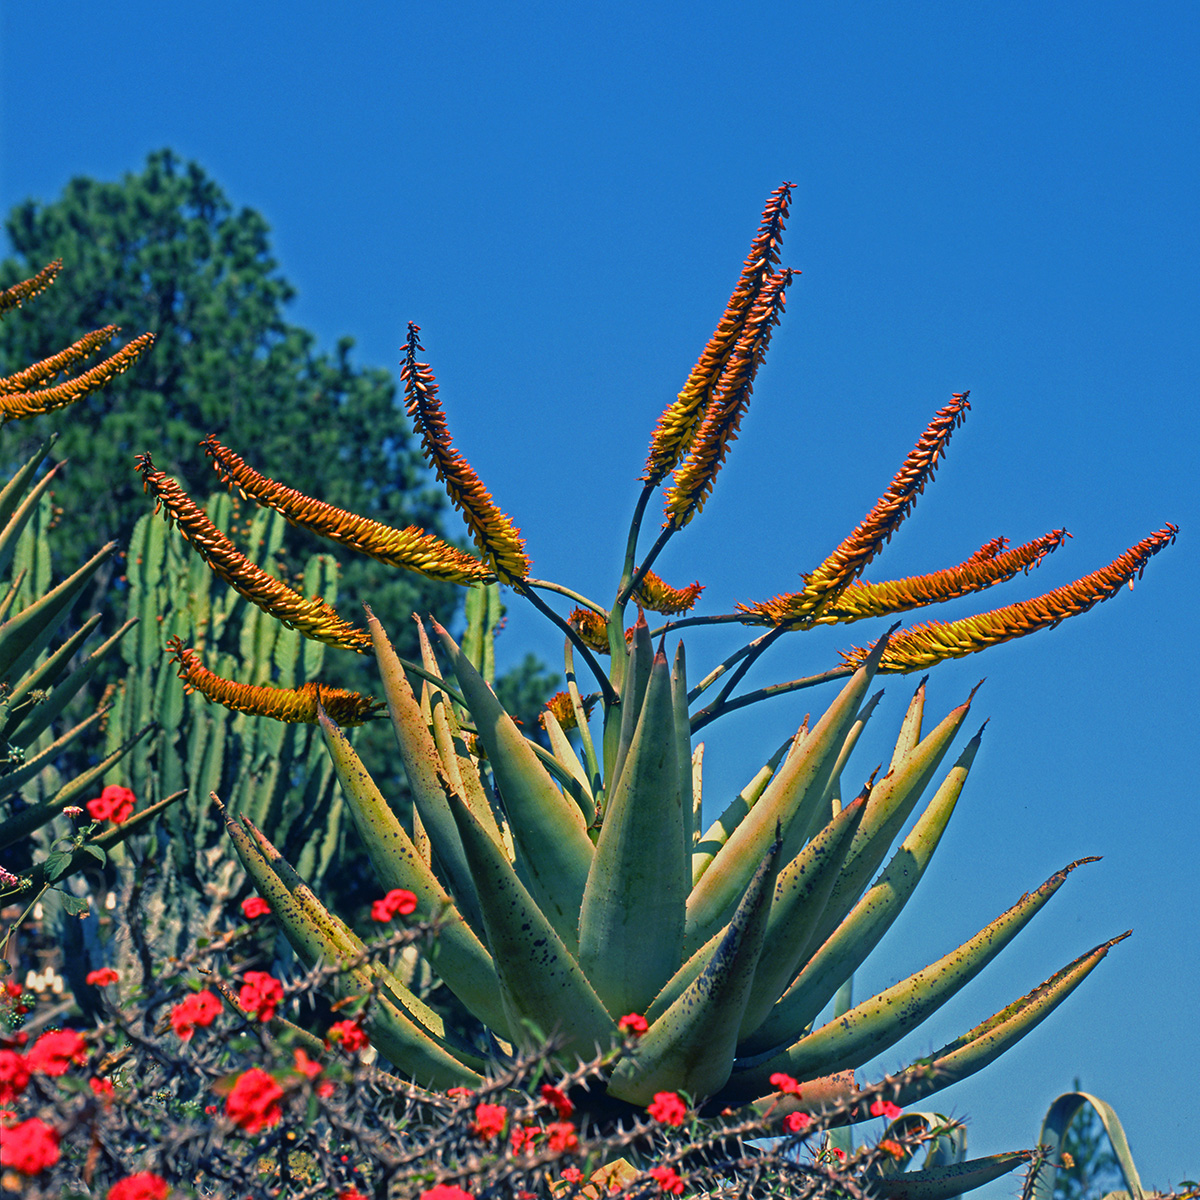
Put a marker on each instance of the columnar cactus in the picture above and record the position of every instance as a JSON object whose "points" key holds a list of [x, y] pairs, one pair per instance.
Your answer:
{"points": [[581, 887]]}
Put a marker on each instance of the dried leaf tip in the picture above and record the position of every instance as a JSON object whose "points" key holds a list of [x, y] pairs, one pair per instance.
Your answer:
{"points": [[314, 618], [678, 423], [411, 549], [925, 645], [498, 539]]}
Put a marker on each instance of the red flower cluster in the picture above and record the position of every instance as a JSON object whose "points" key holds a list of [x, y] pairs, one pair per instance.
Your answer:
{"points": [[572, 1175], [145, 1185], [398, 901], [260, 995], [55, 1051], [14, 1075], [103, 977], [347, 1034], [558, 1100], [668, 1109], [668, 1180], [632, 1024], [562, 1137], [305, 1065], [796, 1121], [885, 1108], [785, 1084], [888, 1146], [30, 1147], [254, 906], [253, 1104], [200, 1008], [489, 1122], [446, 1191], [114, 804], [522, 1138]]}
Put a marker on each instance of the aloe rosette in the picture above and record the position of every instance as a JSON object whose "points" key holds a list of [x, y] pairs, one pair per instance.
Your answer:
{"points": [[575, 878]]}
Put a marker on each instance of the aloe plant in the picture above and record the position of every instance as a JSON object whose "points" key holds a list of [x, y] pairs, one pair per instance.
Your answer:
{"points": [[579, 885], [38, 684]]}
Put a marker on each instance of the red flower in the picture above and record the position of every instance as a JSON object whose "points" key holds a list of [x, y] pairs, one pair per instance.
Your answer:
{"points": [[668, 1109], [668, 1180], [145, 1185], [29, 1147], [103, 977], [785, 1083], [558, 1099], [350, 1193], [397, 901], [563, 1138], [260, 994], [633, 1024], [304, 1064], [102, 1087], [521, 1139], [114, 804], [55, 1051], [459, 1093], [572, 1175], [14, 1075], [489, 1122], [893, 1148], [253, 1103], [796, 1121], [200, 1008], [838, 1153], [254, 906], [446, 1191], [347, 1034], [885, 1108]]}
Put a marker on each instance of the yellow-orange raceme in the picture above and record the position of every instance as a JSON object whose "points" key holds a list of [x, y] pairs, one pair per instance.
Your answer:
{"points": [[412, 549], [498, 539], [823, 586], [283, 704], [314, 618], [16, 295], [924, 645], [987, 566], [678, 423], [660, 597]]}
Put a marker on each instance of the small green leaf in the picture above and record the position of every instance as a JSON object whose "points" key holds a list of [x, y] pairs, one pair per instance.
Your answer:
{"points": [[73, 906], [57, 865], [97, 852]]}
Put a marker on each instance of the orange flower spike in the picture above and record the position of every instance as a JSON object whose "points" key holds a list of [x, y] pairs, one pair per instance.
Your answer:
{"points": [[499, 540], [860, 600], [411, 549], [850, 559], [678, 423], [659, 597], [27, 289], [924, 645], [591, 627], [314, 618], [282, 704], [16, 405], [695, 477], [560, 707], [64, 359]]}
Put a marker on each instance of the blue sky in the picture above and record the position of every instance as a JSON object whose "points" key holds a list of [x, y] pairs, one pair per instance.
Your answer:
{"points": [[993, 197]]}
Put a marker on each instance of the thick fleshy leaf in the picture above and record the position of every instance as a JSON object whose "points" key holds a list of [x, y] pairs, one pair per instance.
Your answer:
{"points": [[554, 850], [1053, 1136], [845, 950], [424, 770], [1002, 1030], [892, 801], [397, 1037], [568, 761], [683, 744], [944, 1183], [691, 1046], [633, 689], [793, 795], [540, 981], [462, 960], [717, 834], [631, 924], [872, 1026], [800, 895]]}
